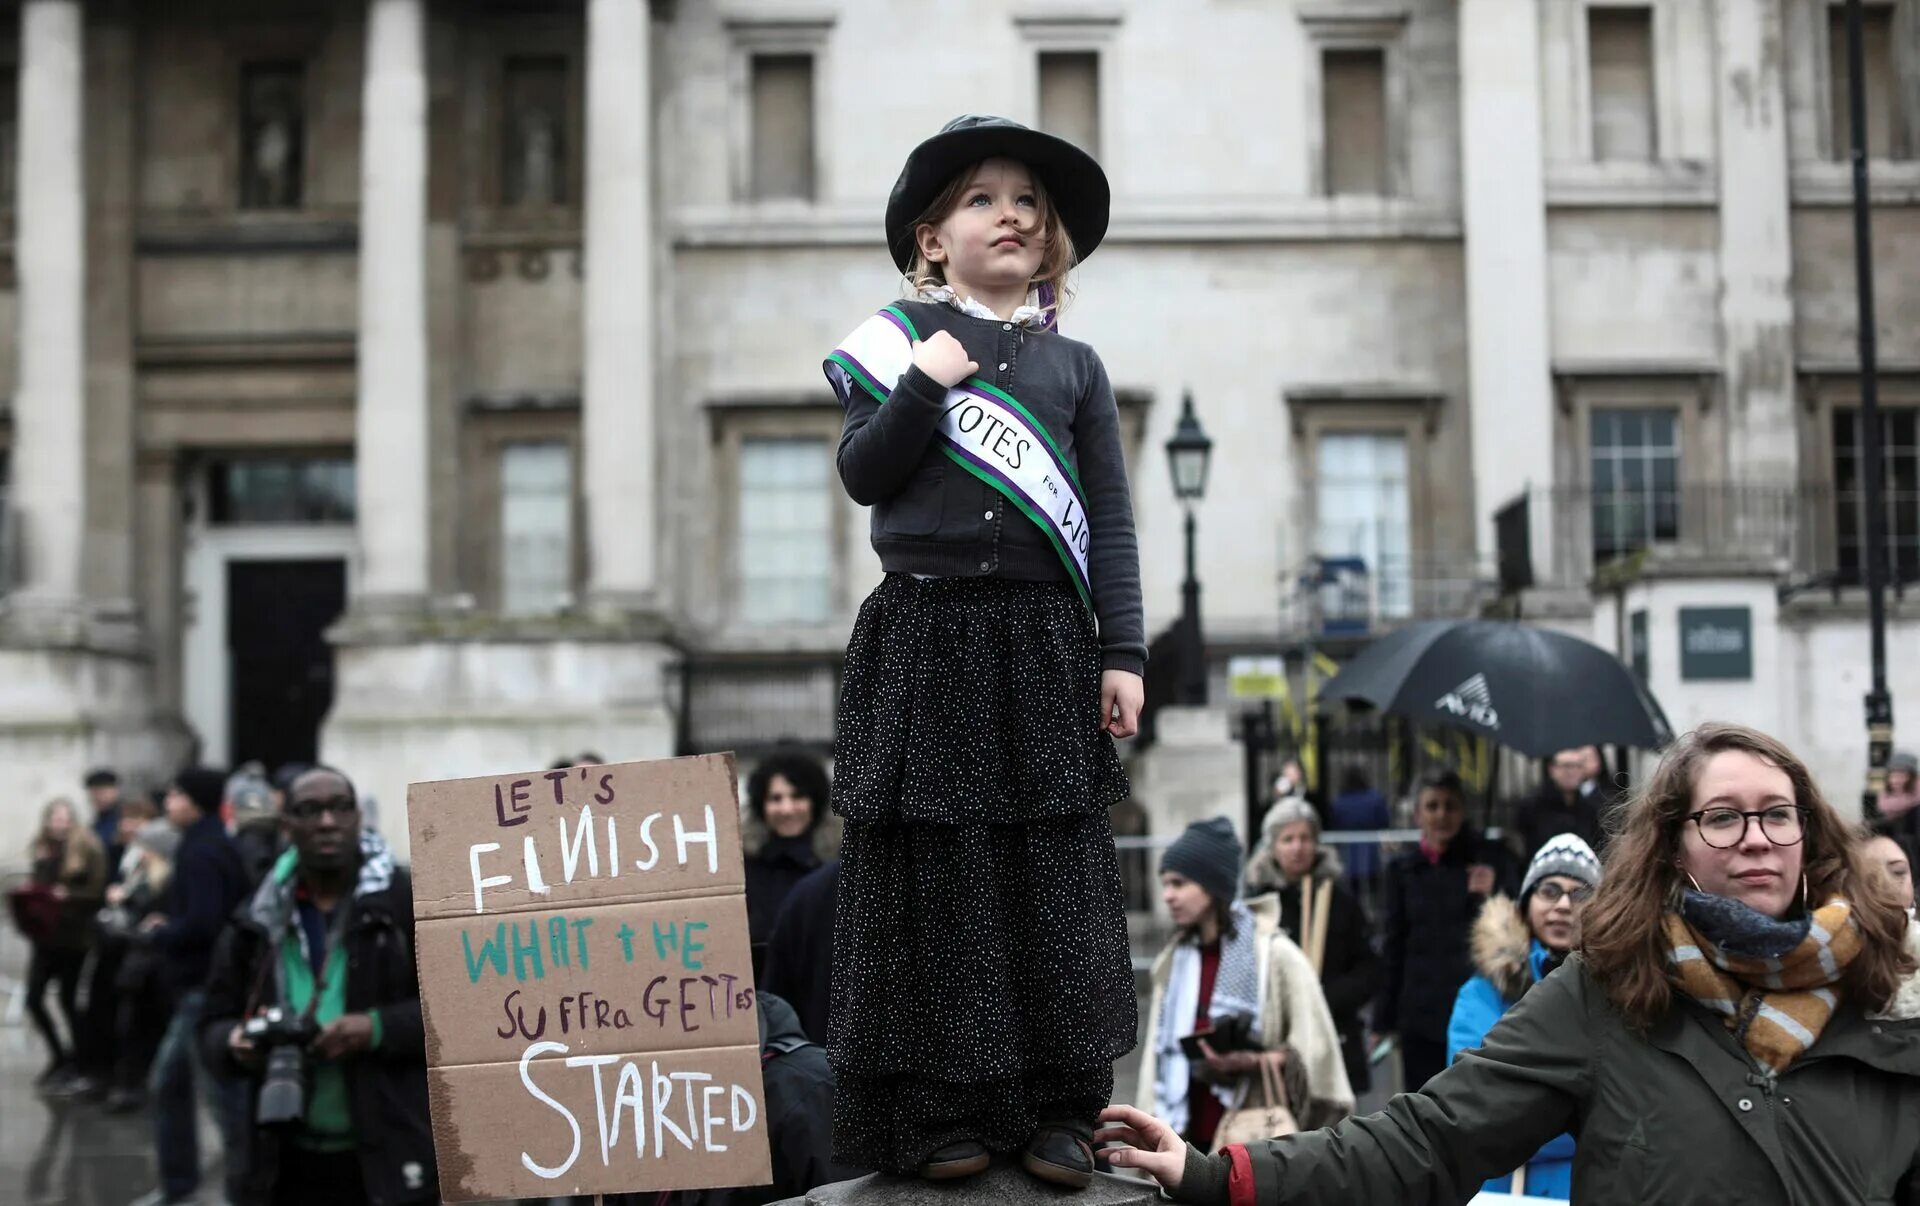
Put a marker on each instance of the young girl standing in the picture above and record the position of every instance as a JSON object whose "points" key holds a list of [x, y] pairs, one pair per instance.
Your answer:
{"points": [[982, 982]]}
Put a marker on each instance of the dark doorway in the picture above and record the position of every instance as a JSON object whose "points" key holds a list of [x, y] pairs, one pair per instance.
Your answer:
{"points": [[280, 667]]}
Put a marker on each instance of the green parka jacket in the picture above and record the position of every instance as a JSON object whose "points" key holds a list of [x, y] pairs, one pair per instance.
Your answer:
{"points": [[1678, 1115]]}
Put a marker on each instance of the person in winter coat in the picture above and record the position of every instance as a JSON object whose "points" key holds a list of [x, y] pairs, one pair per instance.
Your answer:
{"points": [[1360, 806], [256, 821], [800, 952], [1232, 969], [787, 833], [1570, 801], [67, 860], [1903, 789], [206, 885], [1515, 946], [103, 793], [1741, 1024], [1323, 917], [139, 995], [1431, 896], [329, 935]]}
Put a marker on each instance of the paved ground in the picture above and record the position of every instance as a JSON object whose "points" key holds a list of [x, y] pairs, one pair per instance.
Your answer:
{"points": [[67, 1153]]}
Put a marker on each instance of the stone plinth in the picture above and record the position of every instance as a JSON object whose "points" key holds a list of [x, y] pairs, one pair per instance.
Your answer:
{"points": [[1001, 1185], [453, 699]]}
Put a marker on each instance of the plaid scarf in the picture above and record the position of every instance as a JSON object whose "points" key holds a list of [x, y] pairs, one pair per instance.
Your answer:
{"points": [[1774, 983]]}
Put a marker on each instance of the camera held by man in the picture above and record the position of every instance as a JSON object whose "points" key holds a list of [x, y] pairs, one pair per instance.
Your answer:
{"points": [[315, 998]]}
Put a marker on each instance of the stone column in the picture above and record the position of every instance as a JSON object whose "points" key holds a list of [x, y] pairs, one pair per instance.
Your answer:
{"points": [[617, 422], [49, 448], [1756, 243], [390, 445], [1509, 351]]}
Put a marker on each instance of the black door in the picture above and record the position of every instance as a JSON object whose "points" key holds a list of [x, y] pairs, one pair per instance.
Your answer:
{"points": [[280, 667]]}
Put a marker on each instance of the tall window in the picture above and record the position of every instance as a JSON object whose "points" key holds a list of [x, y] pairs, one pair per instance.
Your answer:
{"points": [[1636, 472], [1887, 137], [1353, 99], [1362, 510], [1070, 97], [536, 527], [273, 135], [1900, 488], [1620, 68], [786, 530], [782, 126], [533, 132]]}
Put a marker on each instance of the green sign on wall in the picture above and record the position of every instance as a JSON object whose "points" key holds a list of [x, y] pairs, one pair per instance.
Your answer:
{"points": [[1716, 644]]}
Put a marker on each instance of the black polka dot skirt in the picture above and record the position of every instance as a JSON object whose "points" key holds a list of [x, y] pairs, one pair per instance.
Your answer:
{"points": [[982, 982]]}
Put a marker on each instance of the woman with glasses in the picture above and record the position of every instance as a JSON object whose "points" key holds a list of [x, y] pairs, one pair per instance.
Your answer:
{"points": [[1515, 946], [1740, 1023]]}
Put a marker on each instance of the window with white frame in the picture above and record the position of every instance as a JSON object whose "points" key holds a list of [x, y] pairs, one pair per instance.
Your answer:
{"points": [[1620, 75], [1070, 97], [536, 527], [785, 544], [781, 134], [1634, 456], [1888, 135], [1361, 510]]}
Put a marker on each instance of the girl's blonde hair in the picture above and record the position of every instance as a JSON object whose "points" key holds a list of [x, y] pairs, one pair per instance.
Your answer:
{"points": [[81, 849], [1055, 263]]}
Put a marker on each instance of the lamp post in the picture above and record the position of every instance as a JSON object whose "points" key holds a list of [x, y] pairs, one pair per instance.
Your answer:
{"points": [[1188, 453], [1879, 701]]}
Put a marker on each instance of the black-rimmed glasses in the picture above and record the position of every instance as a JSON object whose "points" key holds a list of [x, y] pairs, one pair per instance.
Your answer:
{"points": [[1552, 892], [309, 809], [1724, 828]]}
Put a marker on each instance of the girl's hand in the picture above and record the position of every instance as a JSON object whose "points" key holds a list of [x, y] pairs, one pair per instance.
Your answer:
{"points": [[1155, 1149], [1122, 694], [941, 357]]}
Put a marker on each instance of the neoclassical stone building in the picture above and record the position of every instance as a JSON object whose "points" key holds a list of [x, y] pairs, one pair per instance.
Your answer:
{"points": [[433, 385]]}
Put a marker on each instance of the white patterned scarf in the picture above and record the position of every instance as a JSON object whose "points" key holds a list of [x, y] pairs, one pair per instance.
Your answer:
{"points": [[1236, 994]]}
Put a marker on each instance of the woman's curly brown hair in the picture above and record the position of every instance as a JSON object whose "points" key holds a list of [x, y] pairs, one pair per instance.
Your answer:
{"points": [[1621, 933]]}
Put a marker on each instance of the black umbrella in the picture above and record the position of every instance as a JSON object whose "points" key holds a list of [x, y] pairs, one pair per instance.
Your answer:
{"points": [[1527, 688]]}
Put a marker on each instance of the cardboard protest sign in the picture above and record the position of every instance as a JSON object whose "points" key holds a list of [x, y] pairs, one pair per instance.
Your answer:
{"points": [[586, 981]]}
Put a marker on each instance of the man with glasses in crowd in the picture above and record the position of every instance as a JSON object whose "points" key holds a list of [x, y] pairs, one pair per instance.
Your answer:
{"points": [[315, 999]]}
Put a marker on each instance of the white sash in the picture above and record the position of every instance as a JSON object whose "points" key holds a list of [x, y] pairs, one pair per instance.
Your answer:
{"points": [[987, 432]]}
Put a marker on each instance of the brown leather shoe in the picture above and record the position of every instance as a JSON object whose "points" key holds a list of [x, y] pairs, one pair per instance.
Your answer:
{"points": [[966, 1158], [1060, 1153]]}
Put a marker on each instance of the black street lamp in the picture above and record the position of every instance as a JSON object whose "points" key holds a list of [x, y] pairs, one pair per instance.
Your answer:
{"points": [[1879, 701], [1188, 453]]}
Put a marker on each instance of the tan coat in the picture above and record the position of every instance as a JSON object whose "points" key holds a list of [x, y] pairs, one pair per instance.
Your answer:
{"points": [[1293, 1013]]}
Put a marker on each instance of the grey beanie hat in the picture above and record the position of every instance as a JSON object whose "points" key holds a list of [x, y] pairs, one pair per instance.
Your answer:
{"points": [[158, 837], [1209, 854], [249, 792], [1564, 854], [1904, 761]]}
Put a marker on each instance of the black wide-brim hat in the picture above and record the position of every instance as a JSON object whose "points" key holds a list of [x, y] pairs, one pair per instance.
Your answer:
{"points": [[1072, 178]]}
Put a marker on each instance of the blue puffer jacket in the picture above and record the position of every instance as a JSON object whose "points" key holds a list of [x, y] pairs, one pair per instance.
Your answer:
{"points": [[1508, 961]]}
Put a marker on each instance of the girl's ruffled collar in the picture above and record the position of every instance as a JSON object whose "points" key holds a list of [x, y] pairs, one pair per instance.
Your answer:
{"points": [[1029, 315]]}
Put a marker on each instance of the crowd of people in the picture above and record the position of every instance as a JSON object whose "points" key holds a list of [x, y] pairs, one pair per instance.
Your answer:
{"points": [[165, 930], [1713, 997], [245, 945]]}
